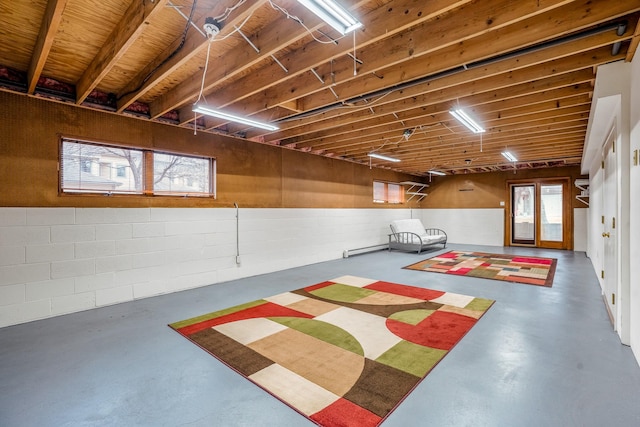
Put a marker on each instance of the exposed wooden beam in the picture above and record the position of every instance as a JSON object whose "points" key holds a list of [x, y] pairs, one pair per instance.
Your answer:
{"points": [[527, 95], [122, 37], [48, 29], [493, 156], [178, 54], [436, 130], [529, 104], [511, 135], [544, 139], [270, 41], [292, 105], [313, 54], [525, 70], [502, 40], [493, 88], [635, 41]]}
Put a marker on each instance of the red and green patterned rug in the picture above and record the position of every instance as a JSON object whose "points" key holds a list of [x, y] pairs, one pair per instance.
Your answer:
{"points": [[344, 352], [512, 268]]}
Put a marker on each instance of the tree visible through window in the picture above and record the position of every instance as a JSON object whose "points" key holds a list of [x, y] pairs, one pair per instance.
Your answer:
{"points": [[181, 174], [96, 168], [84, 168]]}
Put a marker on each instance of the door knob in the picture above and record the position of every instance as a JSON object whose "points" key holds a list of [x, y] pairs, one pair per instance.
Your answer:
{"points": [[606, 235]]}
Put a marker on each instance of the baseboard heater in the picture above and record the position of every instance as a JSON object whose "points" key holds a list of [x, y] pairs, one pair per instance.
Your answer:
{"points": [[359, 251]]}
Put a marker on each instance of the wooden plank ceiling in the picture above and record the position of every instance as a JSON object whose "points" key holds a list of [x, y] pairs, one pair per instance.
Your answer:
{"points": [[524, 69]]}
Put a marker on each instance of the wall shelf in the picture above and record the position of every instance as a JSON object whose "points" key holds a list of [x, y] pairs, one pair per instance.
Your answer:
{"points": [[583, 185], [414, 190]]}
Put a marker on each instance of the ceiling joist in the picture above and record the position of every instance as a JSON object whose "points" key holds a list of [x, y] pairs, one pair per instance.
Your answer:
{"points": [[525, 70]]}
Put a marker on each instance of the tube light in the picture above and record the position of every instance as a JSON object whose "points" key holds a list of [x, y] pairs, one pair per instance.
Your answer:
{"points": [[437, 173], [382, 157], [333, 14], [467, 121], [507, 155], [226, 116]]}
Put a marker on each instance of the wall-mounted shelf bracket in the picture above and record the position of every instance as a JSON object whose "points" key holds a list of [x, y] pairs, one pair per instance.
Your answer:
{"points": [[414, 190], [583, 186]]}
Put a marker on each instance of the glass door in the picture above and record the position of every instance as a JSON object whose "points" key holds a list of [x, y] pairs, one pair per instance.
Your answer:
{"points": [[523, 214], [551, 212], [540, 213]]}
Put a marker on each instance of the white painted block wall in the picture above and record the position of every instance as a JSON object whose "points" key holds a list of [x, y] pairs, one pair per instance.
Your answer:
{"points": [[580, 224], [468, 226], [62, 260], [634, 190]]}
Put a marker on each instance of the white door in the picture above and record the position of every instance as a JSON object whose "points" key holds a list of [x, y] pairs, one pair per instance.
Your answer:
{"points": [[609, 229]]}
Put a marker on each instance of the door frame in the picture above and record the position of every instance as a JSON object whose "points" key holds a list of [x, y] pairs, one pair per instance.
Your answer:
{"points": [[567, 212], [611, 286], [534, 215]]}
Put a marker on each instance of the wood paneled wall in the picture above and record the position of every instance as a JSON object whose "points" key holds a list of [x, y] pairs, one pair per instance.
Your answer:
{"points": [[487, 190], [250, 174]]}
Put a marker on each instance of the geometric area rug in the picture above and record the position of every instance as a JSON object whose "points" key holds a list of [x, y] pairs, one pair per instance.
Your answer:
{"points": [[344, 352], [512, 268]]}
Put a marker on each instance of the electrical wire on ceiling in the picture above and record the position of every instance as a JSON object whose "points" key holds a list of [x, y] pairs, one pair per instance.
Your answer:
{"points": [[331, 39], [404, 137], [375, 150], [345, 105], [212, 31], [299, 21], [406, 134], [171, 55], [220, 18], [227, 12], [458, 69]]}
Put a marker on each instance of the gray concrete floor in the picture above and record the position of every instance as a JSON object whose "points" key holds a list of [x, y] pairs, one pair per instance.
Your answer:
{"points": [[539, 357]]}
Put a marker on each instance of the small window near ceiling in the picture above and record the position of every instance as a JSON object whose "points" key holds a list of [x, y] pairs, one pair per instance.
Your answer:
{"points": [[90, 167], [387, 192], [84, 168], [182, 175]]}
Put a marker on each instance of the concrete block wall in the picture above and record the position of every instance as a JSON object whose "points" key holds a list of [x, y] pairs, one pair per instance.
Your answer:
{"points": [[468, 226], [62, 260], [486, 226]]}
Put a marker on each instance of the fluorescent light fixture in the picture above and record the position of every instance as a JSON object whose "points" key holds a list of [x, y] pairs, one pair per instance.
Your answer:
{"points": [[333, 14], [226, 116], [437, 173], [507, 155], [382, 157], [467, 121]]}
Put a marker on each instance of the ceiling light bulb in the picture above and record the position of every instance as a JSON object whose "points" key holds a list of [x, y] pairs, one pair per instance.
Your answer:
{"points": [[383, 157], [466, 120], [203, 109], [507, 155], [333, 14]]}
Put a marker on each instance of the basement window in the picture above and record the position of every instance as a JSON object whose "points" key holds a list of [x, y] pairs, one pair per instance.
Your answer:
{"points": [[94, 168], [182, 175], [387, 192], [88, 167]]}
